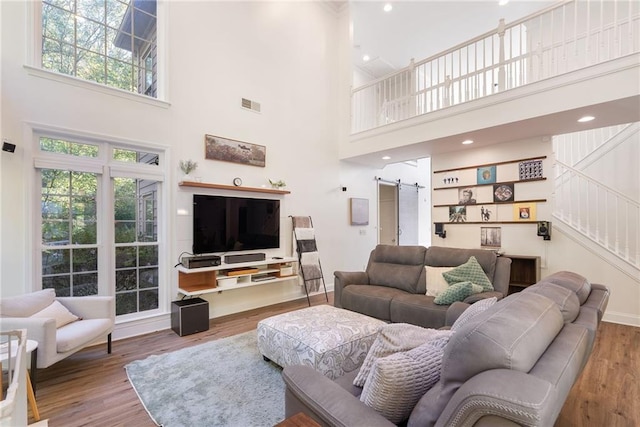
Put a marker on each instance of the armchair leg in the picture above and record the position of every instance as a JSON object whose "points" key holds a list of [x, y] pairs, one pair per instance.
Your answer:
{"points": [[109, 343]]}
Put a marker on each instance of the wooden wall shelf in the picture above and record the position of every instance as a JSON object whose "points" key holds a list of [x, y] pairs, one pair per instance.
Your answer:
{"points": [[493, 203], [232, 187], [490, 222], [493, 183], [490, 164]]}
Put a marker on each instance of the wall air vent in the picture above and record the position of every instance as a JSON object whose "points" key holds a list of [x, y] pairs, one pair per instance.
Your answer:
{"points": [[250, 105]]}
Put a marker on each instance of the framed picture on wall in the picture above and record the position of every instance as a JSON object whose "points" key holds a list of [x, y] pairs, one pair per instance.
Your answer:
{"points": [[359, 211], [457, 213], [531, 169], [230, 150], [503, 193], [490, 237]]}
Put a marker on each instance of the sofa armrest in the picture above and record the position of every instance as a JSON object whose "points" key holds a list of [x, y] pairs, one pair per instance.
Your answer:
{"points": [[325, 401], [502, 275], [513, 395], [483, 295], [454, 311], [344, 278], [598, 299], [39, 329], [90, 307]]}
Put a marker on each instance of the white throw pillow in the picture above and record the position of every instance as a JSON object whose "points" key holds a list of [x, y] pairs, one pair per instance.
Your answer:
{"points": [[397, 382], [394, 338], [58, 312], [436, 282]]}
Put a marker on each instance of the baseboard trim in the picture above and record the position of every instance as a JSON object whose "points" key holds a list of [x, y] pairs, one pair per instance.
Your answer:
{"points": [[621, 318]]}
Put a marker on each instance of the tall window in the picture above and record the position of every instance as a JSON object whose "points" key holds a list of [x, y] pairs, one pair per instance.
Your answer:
{"points": [[113, 42], [99, 233]]}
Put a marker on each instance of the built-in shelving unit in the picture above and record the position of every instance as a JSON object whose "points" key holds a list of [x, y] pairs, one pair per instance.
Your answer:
{"points": [[205, 280], [232, 187], [525, 271]]}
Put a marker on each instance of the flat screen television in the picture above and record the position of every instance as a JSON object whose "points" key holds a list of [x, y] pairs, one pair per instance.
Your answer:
{"points": [[224, 224]]}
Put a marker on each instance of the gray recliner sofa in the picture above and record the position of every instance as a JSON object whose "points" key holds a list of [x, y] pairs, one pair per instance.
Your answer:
{"points": [[513, 364], [393, 286]]}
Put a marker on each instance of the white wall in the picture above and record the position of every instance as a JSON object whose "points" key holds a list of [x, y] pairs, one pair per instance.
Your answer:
{"points": [[284, 55]]}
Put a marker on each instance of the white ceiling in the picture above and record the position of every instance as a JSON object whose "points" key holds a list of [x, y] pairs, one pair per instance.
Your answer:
{"points": [[419, 29]]}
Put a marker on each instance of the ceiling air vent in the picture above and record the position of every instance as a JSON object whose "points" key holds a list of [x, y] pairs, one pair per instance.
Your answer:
{"points": [[250, 105]]}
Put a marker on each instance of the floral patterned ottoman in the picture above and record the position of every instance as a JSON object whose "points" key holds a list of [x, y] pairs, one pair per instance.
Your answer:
{"points": [[332, 340]]}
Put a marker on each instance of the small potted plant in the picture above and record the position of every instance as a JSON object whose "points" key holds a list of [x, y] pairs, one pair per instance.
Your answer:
{"points": [[187, 166], [278, 185]]}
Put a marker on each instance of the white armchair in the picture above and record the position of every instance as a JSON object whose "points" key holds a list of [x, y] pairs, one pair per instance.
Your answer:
{"points": [[55, 341]]}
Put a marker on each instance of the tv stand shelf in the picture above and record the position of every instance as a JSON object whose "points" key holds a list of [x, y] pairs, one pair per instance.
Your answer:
{"points": [[205, 280], [232, 187]]}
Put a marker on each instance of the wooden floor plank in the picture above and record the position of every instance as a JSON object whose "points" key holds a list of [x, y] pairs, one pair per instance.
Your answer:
{"points": [[91, 387]]}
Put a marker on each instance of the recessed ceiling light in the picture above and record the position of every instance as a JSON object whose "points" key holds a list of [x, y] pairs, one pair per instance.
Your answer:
{"points": [[387, 7], [585, 119], [467, 142], [502, 2], [365, 58], [386, 158]]}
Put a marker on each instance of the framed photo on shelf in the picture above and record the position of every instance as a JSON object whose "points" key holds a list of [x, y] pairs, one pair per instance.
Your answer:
{"points": [[230, 150], [467, 196], [486, 175], [457, 214], [530, 169], [490, 237], [503, 193], [524, 212]]}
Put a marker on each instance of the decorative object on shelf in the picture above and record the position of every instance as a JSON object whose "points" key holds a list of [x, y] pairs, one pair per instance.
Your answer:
{"points": [[486, 175], [237, 181], [503, 193], [279, 184], [530, 169], [230, 150], [450, 180], [524, 212], [466, 196], [187, 166], [359, 209], [457, 213], [490, 237]]}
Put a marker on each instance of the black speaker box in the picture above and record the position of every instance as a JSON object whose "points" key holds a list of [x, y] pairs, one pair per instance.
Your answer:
{"points": [[234, 259], [189, 316], [544, 229]]}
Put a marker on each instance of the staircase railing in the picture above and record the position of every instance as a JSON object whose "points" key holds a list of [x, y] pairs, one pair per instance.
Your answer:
{"points": [[557, 40], [606, 216]]}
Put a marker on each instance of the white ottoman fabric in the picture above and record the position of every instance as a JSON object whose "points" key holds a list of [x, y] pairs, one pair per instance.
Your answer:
{"points": [[331, 340]]}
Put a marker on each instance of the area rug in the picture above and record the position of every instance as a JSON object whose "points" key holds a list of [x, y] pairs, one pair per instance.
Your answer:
{"points": [[224, 382]]}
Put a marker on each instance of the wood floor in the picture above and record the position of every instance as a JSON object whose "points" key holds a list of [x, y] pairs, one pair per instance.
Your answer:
{"points": [[91, 388]]}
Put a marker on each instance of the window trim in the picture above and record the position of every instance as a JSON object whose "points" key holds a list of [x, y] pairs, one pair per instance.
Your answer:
{"points": [[105, 168], [34, 68]]}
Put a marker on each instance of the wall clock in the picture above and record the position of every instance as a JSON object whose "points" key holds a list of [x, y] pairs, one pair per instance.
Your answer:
{"points": [[237, 182]]}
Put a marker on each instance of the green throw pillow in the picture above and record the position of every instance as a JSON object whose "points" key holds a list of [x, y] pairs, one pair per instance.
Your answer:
{"points": [[470, 271], [457, 292]]}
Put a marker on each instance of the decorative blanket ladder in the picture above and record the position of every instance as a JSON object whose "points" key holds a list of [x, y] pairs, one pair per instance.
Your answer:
{"points": [[308, 258]]}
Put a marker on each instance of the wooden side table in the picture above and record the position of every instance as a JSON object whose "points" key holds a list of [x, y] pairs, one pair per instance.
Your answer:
{"points": [[298, 420]]}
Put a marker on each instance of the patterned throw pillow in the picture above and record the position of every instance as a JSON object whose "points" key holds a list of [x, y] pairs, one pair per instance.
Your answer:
{"points": [[394, 338], [398, 381], [436, 282], [470, 271], [472, 311], [457, 292]]}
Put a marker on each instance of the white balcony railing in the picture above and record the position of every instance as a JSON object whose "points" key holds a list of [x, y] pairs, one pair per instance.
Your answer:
{"points": [[572, 35], [605, 215]]}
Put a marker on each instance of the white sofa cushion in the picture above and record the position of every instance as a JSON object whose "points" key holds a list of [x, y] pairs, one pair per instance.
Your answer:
{"points": [[77, 334], [436, 283], [58, 312], [27, 304]]}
